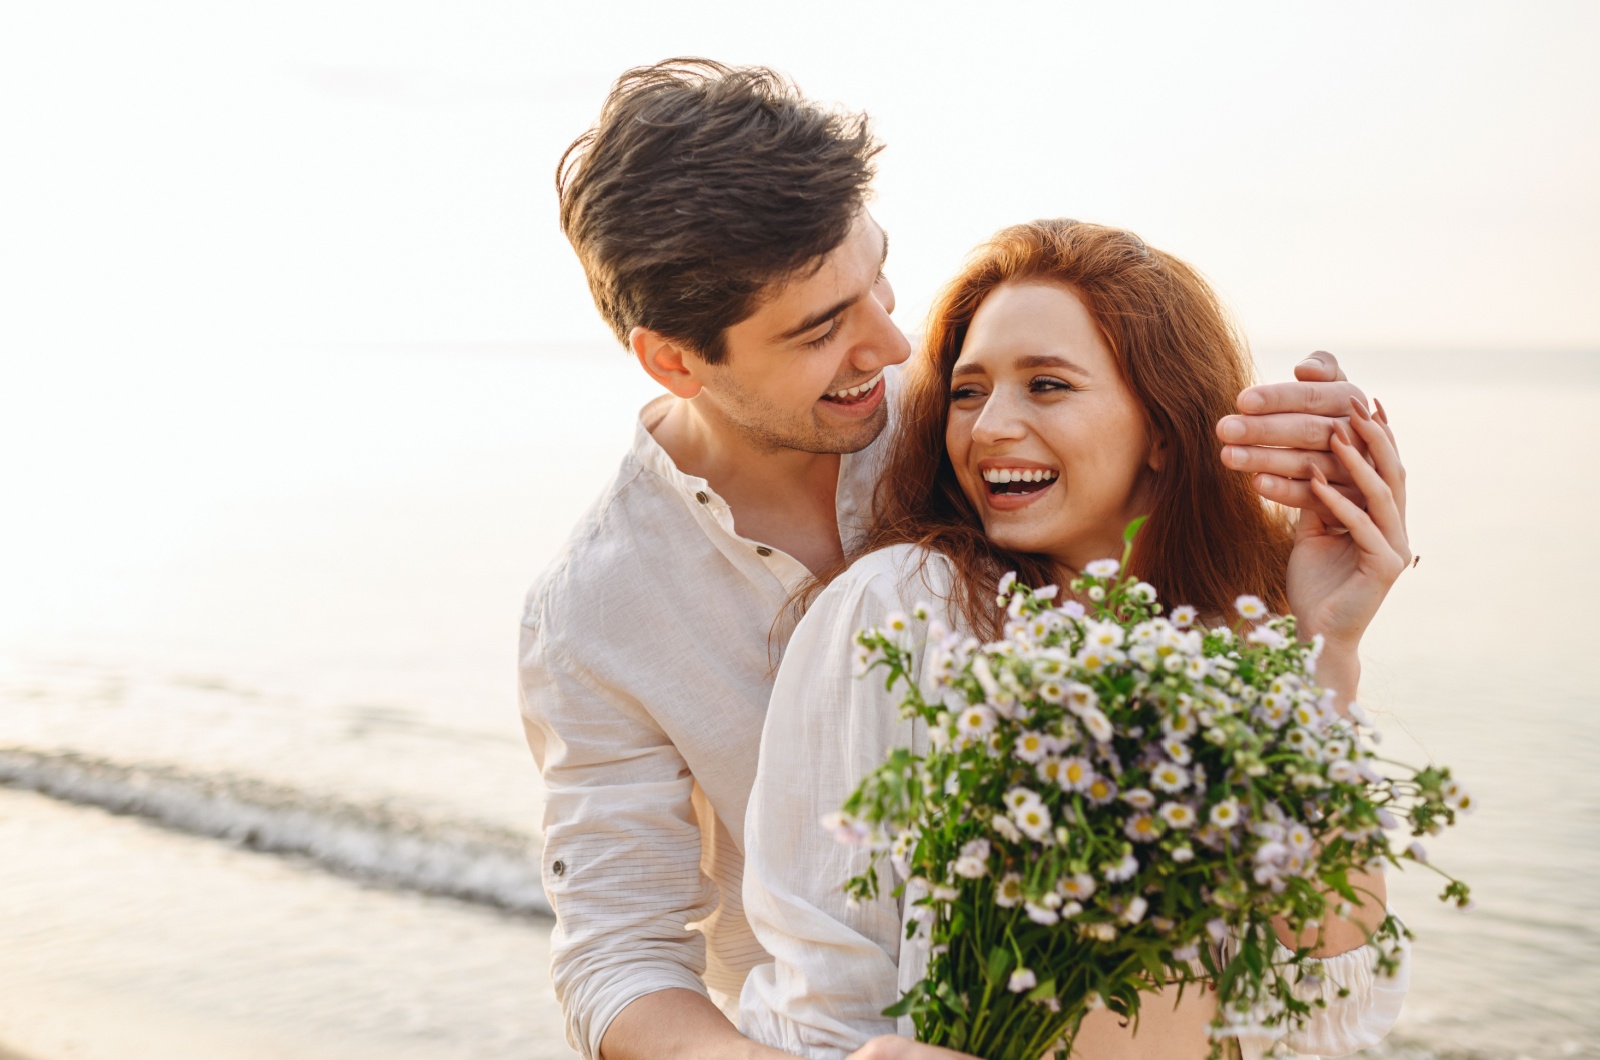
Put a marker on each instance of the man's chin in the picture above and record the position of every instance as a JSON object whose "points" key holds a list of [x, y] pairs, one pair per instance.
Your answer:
{"points": [[857, 436]]}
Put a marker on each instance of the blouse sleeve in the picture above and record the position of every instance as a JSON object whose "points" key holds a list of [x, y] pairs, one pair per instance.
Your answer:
{"points": [[1360, 1018], [834, 965]]}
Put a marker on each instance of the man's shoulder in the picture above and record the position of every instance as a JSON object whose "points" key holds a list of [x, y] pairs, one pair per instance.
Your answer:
{"points": [[601, 563]]}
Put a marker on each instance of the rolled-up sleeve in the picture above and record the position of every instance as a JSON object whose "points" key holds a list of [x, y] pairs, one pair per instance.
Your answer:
{"points": [[622, 843], [1354, 1006], [834, 967]]}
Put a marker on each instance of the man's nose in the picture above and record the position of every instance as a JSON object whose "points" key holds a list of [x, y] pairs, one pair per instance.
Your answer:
{"points": [[884, 342]]}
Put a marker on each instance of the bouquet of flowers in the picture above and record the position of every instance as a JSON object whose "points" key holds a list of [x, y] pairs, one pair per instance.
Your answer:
{"points": [[1115, 800]]}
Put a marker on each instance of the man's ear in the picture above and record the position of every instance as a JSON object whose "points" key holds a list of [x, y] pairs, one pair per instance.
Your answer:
{"points": [[665, 361]]}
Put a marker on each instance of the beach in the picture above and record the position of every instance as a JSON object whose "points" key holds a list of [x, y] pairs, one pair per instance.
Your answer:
{"points": [[263, 789]]}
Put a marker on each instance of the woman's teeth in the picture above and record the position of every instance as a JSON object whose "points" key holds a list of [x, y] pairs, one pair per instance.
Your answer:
{"points": [[1018, 479], [1003, 475], [850, 393]]}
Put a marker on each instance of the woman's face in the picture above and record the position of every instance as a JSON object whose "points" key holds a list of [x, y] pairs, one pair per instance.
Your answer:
{"points": [[1047, 441]]}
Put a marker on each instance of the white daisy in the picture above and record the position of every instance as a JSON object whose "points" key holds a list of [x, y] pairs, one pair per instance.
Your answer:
{"points": [[1006, 830], [1100, 791], [975, 722], [1251, 607], [1033, 819], [1134, 911], [1022, 980], [1079, 886], [1183, 616], [1120, 871], [1103, 568], [1178, 815], [1170, 777], [1077, 773], [1138, 798], [1040, 914], [1008, 892], [1142, 828], [1098, 725], [1030, 747], [1018, 797], [1225, 814]]}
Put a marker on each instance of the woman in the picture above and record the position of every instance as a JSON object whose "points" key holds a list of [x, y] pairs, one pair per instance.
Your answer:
{"points": [[1068, 383]]}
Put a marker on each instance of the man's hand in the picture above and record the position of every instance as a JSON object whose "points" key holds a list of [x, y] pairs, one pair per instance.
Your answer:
{"points": [[1285, 430], [890, 1047]]}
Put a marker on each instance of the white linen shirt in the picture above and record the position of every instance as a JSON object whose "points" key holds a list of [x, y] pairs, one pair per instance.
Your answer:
{"points": [[648, 651], [835, 966]]}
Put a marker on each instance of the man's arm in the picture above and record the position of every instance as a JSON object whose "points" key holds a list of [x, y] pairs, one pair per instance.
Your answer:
{"points": [[621, 865], [1284, 429], [678, 1025]]}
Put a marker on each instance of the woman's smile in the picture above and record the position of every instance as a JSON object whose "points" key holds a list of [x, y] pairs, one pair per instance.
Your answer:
{"points": [[1013, 484], [1048, 443]]}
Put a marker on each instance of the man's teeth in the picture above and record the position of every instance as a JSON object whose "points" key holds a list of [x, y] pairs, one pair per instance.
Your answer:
{"points": [[857, 391], [1002, 475]]}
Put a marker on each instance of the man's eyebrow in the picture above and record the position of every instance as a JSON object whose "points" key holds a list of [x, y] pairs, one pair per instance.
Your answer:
{"points": [[818, 319]]}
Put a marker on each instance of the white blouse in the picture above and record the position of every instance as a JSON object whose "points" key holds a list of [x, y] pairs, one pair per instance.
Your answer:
{"points": [[836, 968]]}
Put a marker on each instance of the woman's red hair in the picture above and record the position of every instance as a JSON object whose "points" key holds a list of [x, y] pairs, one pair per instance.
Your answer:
{"points": [[1209, 537]]}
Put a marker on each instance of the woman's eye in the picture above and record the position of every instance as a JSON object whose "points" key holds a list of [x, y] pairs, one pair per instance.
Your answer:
{"points": [[1044, 383], [961, 393]]}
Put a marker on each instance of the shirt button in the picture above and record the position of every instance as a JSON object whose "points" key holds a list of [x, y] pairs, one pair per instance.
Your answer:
{"points": [[701, 497], [558, 868], [763, 550]]}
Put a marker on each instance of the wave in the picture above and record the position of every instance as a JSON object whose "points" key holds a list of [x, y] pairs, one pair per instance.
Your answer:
{"points": [[375, 843]]}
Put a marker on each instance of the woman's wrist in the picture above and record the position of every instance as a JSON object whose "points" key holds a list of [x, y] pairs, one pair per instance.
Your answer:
{"points": [[1339, 669]]}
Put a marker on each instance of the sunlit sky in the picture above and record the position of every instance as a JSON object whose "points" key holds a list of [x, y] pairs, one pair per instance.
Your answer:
{"points": [[1383, 175]]}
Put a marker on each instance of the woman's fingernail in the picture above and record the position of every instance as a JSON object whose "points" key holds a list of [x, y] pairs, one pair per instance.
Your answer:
{"points": [[1251, 401], [1342, 432], [1233, 429], [1383, 417], [1316, 473], [1360, 410]]}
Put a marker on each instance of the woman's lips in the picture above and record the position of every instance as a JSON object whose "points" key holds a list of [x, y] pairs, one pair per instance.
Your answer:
{"points": [[1010, 502]]}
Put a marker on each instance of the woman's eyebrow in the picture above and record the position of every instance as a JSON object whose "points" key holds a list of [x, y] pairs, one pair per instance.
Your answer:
{"points": [[1049, 360]]}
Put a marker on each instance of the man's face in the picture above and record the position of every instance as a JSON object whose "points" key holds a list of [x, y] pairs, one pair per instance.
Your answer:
{"points": [[795, 371]]}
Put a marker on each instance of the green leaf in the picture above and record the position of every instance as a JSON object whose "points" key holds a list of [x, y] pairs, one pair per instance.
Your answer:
{"points": [[999, 965], [1043, 990], [1133, 529]]}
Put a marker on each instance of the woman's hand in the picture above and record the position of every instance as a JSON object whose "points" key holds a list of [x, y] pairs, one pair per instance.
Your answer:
{"points": [[1340, 572]]}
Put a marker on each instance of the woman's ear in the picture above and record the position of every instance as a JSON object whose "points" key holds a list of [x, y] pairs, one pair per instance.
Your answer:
{"points": [[1158, 454], [665, 361]]}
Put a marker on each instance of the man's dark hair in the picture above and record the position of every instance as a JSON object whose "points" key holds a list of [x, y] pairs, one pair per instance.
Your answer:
{"points": [[699, 187]]}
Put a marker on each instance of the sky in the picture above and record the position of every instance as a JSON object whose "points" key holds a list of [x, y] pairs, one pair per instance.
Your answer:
{"points": [[1382, 175]]}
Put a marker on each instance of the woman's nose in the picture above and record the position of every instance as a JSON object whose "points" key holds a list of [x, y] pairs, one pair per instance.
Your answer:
{"points": [[1000, 419]]}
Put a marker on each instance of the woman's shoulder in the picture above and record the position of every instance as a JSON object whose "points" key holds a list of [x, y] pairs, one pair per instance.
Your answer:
{"points": [[898, 577]]}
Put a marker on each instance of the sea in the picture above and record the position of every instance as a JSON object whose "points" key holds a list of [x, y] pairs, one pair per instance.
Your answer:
{"points": [[263, 785]]}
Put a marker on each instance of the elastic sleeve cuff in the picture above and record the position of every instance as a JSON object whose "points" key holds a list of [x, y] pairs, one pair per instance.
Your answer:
{"points": [[588, 1018]]}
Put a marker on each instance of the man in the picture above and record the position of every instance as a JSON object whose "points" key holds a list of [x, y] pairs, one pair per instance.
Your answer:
{"points": [[720, 218]]}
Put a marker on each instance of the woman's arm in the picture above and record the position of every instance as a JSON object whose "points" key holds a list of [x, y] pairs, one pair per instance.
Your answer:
{"points": [[834, 967]]}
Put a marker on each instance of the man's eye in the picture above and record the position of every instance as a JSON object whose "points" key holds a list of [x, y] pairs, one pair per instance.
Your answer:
{"points": [[827, 337]]}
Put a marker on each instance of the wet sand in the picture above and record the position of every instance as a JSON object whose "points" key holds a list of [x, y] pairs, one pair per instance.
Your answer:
{"points": [[127, 942]]}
